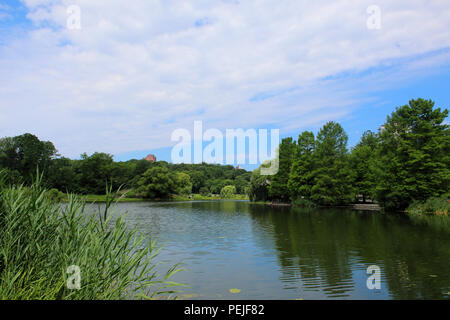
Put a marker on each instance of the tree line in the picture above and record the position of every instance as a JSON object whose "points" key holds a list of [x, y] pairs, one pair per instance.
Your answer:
{"points": [[20, 156], [407, 160]]}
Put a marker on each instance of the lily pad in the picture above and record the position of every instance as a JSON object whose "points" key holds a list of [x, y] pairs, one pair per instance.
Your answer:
{"points": [[190, 295]]}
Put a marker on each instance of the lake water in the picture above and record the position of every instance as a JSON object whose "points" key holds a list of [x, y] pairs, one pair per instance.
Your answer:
{"points": [[294, 253]]}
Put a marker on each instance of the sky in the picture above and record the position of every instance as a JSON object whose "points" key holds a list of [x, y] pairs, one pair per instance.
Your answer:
{"points": [[120, 76]]}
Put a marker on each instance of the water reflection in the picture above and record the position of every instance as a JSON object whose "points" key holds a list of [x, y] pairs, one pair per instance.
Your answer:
{"points": [[288, 253], [324, 247]]}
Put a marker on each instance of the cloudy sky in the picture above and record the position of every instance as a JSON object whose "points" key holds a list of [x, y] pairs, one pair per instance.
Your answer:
{"points": [[137, 70]]}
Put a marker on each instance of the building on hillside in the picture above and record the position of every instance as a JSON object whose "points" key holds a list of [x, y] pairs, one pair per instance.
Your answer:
{"points": [[151, 158]]}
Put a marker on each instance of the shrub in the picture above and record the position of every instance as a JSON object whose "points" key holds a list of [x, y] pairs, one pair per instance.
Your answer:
{"points": [[433, 206], [228, 192], [55, 195]]}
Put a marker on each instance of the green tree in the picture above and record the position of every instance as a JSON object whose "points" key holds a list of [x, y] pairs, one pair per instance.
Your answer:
{"points": [[362, 163], [94, 172], [413, 160], [198, 179], [61, 175], [259, 185], [25, 154], [158, 182], [301, 177], [184, 184], [278, 188], [332, 175]]}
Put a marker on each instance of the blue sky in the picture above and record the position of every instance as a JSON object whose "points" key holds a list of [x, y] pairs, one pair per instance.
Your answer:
{"points": [[132, 74]]}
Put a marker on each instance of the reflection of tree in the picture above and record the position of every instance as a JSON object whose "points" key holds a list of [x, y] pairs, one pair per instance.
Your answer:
{"points": [[319, 246], [308, 246]]}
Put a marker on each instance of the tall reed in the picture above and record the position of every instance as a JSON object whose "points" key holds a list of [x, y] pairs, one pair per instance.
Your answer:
{"points": [[40, 239]]}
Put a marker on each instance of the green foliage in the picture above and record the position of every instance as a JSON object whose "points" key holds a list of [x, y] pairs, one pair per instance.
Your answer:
{"points": [[55, 195], [301, 175], [25, 153], [228, 192], [93, 172], [204, 191], [158, 182], [413, 159], [278, 188], [40, 240], [363, 165], [332, 174], [184, 184], [259, 185], [432, 206], [408, 160]]}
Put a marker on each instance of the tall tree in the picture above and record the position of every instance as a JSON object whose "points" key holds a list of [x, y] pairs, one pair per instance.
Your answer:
{"points": [[332, 175], [414, 155], [278, 188], [301, 176], [362, 164]]}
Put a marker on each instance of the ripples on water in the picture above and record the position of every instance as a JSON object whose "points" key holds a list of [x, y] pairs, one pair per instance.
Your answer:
{"points": [[292, 253]]}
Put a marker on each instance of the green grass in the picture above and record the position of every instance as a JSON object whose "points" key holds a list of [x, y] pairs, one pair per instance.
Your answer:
{"points": [[125, 198], [198, 197], [40, 239]]}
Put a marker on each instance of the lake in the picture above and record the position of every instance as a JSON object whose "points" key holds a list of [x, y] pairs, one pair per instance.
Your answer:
{"points": [[294, 253]]}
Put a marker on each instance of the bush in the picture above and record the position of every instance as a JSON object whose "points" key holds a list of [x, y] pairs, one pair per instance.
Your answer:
{"points": [[55, 195], [433, 206], [228, 192], [40, 240]]}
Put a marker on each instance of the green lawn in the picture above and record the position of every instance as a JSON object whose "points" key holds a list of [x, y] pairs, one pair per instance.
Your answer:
{"points": [[194, 197]]}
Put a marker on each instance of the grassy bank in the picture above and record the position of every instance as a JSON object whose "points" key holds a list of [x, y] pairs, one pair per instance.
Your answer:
{"points": [[197, 197], [194, 197], [431, 207], [43, 244]]}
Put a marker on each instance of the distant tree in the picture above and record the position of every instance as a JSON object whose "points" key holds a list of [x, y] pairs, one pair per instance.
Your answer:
{"points": [[198, 179], [241, 183], [301, 177], [413, 159], [332, 175], [158, 182], [94, 172], [184, 184], [228, 192], [61, 175]]}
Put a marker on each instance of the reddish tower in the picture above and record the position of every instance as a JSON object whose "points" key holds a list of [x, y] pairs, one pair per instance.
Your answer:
{"points": [[151, 158]]}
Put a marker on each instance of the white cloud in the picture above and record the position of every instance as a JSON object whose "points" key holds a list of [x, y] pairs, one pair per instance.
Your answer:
{"points": [[137, 70]]}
